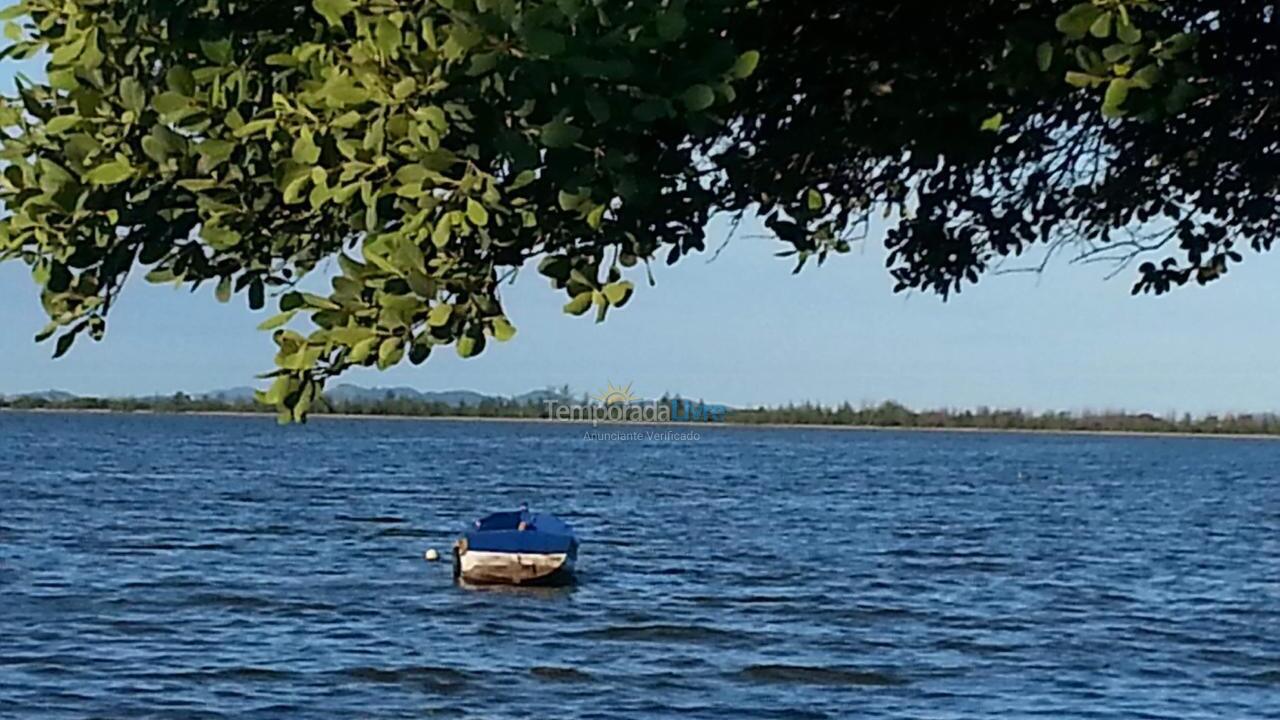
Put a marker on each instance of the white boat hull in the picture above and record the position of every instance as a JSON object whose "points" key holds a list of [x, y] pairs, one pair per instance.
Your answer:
{"points": [[490, 568]]}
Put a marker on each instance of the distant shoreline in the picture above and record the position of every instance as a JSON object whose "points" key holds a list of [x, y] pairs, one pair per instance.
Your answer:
{"points": [[614, 425]]}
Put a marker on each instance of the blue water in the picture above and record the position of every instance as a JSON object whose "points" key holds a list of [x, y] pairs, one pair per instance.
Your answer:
{"points": [[184, 567]]}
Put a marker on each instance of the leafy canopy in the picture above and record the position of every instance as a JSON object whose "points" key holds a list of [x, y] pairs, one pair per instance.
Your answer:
{"points": [[433, 147]]}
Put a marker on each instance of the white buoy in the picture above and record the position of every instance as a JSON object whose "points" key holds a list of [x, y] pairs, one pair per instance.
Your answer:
{"points": [[431, 555]]}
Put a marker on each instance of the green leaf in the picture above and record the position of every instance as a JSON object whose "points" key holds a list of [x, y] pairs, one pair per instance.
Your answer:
{"points": [[595, 218], [469, 346], [80, 147], [602, 305], [294, 183], [462, 37], [435, 117], [1117, 53], [219, 238], [443, 232], [1148, 77], [1090, 60], [439, 315], [64, 345], [318, 302], [671, 25], [390, 352], [53, 177], [419, 351], [545, 42], [422, 285], [524, 179], [599, 108], [66, 53], [350, 336], [404, 88], [429, 35], [1044, 56], [570, 8], [292, 301], [816, 201], [556, 267], [746, 64], [699, 98], [180, 81], [993, 123], [218, 51], [223, 292], [1101, 28], [112, 173], [132, 95], [278, 321], [477, 213], [334, 10], [619, 293], [342, 91], [387, 36], [559, 134], [276, 393], [61, 124], [580, 303], [305, 150], [1076, 22], [1084, 80], [172, 103], [320, 194], [1117, 94], [570, 201], [256, 126], [214, 152], [361, 351], [652, 109], [257, 294], [196, 185], [503, 330], [1128, 33]]}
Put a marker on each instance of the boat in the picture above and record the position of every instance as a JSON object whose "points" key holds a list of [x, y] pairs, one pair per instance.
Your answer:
{"points": [[516, 548]]}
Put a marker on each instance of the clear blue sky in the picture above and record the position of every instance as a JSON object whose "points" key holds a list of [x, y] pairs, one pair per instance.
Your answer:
{"points": [[743, 330]]}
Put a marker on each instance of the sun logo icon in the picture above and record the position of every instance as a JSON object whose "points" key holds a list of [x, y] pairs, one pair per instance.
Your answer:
{"points": [[616, 395]]}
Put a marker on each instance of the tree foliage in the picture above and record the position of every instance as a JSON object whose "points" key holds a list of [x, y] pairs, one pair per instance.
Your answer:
{"points": [[435, 147], [983, 129]]}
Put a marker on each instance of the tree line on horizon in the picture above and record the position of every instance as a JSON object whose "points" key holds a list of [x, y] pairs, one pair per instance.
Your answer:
{"points": [[888, 414]]}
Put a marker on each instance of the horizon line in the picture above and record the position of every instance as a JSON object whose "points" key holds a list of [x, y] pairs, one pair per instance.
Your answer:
{"points": [[865, 404]]}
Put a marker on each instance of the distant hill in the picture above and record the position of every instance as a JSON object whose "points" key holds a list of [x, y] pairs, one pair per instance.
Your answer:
{"points": [[539, 397], [347, 393], [231, 395], [358, 394], [46, 395]]}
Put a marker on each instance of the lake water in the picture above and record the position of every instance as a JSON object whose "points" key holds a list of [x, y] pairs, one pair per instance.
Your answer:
{"points": [[188, 567]]}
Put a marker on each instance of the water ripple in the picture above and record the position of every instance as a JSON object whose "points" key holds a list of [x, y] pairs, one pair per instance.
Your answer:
{"points": [[801, 675]]}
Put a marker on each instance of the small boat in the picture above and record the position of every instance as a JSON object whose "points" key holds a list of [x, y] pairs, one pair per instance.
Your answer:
{"points": [[516, 548]]}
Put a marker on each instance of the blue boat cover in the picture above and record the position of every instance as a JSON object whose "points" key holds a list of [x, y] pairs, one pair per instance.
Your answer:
{"points": [[500, 532]]}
